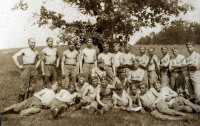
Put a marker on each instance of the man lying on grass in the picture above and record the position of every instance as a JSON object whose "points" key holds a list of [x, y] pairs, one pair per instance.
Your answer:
{"points": [[159, 109], [174, 101], [34, 104]]}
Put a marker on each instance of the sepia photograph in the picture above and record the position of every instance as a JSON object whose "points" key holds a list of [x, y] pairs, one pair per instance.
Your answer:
{"points": [[100, 63]]}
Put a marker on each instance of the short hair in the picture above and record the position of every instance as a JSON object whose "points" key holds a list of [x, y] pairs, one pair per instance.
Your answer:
{"points": [[135, 60], [157, 82], [143, 47], [29, 39], [127, 44], [116, 44], [164, 47], [142, 84], [48, 38], [189, 43], [105, 44], [174, 48], [103, 78]]}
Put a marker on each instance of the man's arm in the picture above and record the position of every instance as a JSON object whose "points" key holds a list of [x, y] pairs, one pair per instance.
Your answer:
{"points": [[15, 56], [98, 98], [38, 60], [157, 63], [42, 62], [63, 64], [81, 61], [58, 59], [95, 58]]}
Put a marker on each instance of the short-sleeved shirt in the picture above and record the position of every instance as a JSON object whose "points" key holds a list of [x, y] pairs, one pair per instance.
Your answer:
{"points": [[65, 96]]}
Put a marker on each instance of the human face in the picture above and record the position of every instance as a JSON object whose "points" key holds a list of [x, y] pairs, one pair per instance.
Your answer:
{"points": [[71, 89], [50, 42], [164, 51], [133, 89], [101, 65], [54, 86], [116, 48], [106, 48], [175, 52], [157, 86], [104, 83], [71, 46], [78, 46], [127, 48], [190, 48], [151, 53], [143, 89], [94, 82], [81, 80], [89, 43], [135, 64], [123, 75], [142, 50], [31, 43]]}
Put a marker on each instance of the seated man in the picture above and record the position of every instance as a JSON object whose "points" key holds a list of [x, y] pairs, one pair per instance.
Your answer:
{"points": [[174, 101], [89, 95], [104, 95], [64, 99], [121, 99], [134, 92], [136, 75], [151, 101], [34, 104], [99, 71], [122, 79]]}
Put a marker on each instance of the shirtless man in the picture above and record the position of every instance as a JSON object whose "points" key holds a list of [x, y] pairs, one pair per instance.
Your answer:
{"points": [[49, 63], [164, 67], [88, 59], [34, 104], [175, 67], [107, 57], [153, 68], [69, 65], [30, 59], [151, 101], [174, 101], [126, 59], [193, 65], [78, 48], [122, 79], [104, 95], [136, 74], [143, 62], [116, 58]]}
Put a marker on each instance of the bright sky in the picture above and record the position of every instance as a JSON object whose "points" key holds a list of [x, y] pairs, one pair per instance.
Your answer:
{"points": [[17, 26]]}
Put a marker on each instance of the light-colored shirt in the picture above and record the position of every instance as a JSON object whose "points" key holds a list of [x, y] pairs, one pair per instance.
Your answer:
{"points": [[154, 63], [178, 60], [167, 92], [45, 96], [65, 96], [124, 98], [127, 58], [194, 59], [106, 57], [88, 55], [116, 59], [136, 75]]}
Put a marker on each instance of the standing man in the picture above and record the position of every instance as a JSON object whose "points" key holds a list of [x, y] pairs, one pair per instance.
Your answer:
{"points": [[88, 59], [175, 65], [126, 59], [30, 59], [116, 58], [69, 65], [193, 65], [107, 57], [153, 67], [164, 67], [143, 62], [49, 63]]}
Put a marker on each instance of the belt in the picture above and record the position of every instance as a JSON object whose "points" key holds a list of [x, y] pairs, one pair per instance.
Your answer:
{"points": [[28, 64], [71, 64], [88, 63], [191, 68], [50, 64]]}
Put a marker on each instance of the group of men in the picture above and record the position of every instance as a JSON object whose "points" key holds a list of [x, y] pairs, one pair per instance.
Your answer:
{"points": [[105, 81]]}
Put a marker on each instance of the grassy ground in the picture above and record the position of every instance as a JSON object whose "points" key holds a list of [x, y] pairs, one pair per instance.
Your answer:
{"points": [[9, 85]]}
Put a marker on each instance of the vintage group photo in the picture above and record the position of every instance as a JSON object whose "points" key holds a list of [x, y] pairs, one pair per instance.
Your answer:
{"points": [[100, 62]]}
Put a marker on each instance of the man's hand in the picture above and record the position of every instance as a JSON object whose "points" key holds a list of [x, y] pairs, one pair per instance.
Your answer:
{"points": [[168, 99], [142, 111], [63, 75], [43, 73], [21, 67]]}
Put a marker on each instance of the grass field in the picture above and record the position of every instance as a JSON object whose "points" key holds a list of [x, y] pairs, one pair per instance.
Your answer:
{"points": [[9, 84]]}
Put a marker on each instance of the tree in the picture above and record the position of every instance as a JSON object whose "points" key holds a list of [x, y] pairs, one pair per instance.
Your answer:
{"points": [[116, 20], [180, 32]]}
